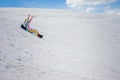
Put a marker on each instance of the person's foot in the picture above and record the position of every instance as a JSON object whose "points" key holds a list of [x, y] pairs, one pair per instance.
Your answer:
{"points": [[40, 36]]}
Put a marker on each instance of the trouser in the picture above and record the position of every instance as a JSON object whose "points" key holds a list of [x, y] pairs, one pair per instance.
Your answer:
{"points": [[22, 26], [31, 30], [34, 31]]}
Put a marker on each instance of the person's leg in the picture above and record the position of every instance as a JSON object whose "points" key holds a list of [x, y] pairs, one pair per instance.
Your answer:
{"points": [[34, 31]]}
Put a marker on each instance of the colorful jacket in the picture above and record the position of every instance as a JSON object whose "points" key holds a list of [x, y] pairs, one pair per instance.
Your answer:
{"points": [[27, 23]]}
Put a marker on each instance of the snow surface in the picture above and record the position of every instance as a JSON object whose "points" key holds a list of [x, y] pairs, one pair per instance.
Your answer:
{"points": [[76, 46]]}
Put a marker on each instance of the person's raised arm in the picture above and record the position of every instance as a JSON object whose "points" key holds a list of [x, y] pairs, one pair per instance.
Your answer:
{"points": [[29, 23], [31, 19]]}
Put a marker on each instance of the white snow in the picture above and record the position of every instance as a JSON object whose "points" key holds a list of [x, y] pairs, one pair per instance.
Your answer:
{"points": [[76, 46]]}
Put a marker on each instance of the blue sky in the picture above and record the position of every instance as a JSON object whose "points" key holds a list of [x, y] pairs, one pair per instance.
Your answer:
{"points": [[80, 5], [34, 3]]}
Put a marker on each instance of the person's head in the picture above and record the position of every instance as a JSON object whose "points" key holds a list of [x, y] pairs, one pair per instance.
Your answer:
{"points": [[28, 16]]}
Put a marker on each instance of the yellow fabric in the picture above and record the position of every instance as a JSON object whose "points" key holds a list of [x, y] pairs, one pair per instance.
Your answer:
{"points": [[34, 31]]}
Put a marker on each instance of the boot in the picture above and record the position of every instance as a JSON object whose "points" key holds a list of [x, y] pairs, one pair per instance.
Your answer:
{"points": [[40, 36]]}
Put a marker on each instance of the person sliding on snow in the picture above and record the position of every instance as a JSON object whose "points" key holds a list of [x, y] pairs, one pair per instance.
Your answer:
{"points": [[26, 26]]}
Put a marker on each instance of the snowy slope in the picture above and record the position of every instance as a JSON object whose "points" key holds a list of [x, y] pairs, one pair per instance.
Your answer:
{"points": [[76, 46]]}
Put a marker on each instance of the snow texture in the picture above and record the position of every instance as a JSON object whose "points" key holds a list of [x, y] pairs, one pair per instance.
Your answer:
{"points": [[76, 46]]}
